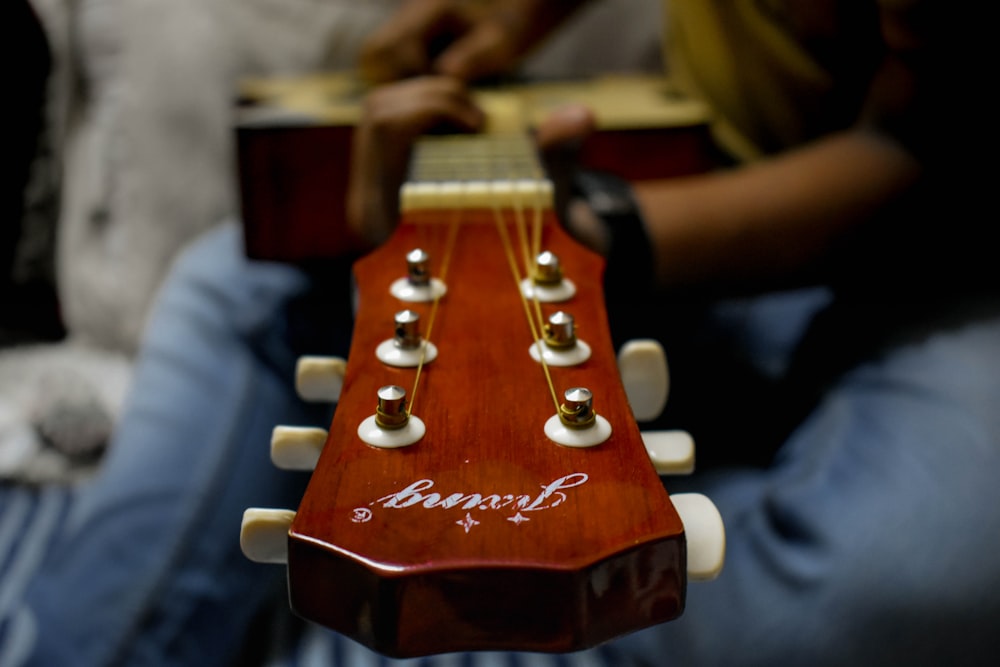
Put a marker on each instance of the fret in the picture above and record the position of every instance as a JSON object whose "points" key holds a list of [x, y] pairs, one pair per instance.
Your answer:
{"points": [[475, 171]]}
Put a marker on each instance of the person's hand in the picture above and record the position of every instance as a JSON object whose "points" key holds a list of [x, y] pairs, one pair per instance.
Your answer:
{"points": [[396, 114], [466, 39], [393, 116], [559, 138]]}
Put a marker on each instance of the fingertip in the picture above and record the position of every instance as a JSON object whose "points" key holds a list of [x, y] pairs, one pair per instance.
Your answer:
{"points": [[477, 119], [567, 123], [578, 115]]}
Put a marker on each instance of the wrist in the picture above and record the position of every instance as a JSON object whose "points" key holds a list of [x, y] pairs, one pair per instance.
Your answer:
{"points": [[616, 229]]}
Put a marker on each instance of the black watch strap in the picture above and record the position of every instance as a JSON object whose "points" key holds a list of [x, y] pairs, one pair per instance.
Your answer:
{"points": [[629, 272]]}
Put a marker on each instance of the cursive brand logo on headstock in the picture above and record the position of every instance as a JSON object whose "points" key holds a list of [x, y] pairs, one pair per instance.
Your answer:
{"points": [[419, 494]]}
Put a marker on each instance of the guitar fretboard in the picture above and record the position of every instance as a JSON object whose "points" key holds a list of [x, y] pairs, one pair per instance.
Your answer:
{"points": [[470, 171]]}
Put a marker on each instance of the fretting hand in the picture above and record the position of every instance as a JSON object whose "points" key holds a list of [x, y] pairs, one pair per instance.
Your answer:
{"points": [[466, 39], [394, 115]]}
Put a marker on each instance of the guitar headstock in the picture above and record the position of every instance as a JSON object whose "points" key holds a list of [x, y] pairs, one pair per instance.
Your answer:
{"points": [[481, 489]]}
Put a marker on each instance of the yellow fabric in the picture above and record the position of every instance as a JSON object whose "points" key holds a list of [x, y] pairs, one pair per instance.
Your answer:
{"points": [[744, 58]]}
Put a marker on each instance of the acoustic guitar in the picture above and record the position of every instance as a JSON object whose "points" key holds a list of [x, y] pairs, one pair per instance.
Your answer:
{"points": [[293, 138], [484, 484]]}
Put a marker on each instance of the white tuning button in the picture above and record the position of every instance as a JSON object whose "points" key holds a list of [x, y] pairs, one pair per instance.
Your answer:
{"points": [[320, 378], [705, 534], [547, 282], [672, 452], [392, 425], [577, 424], [642, 364], [296, 447], [264, 534]]}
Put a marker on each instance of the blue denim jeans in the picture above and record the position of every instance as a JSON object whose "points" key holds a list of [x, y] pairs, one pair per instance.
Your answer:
{"points": [[148, 568], [871, 537]]}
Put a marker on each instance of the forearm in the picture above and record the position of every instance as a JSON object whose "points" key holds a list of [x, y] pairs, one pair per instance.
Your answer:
{"points": [[773, 223]]}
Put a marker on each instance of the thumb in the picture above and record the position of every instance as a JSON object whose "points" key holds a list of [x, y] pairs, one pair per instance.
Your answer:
{"points": [[565, 128], [559, 138]]}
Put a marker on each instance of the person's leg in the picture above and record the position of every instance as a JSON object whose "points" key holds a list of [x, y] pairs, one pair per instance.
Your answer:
{"points": [[30, 519], [150, 569], [735, 356], [873, 537]]}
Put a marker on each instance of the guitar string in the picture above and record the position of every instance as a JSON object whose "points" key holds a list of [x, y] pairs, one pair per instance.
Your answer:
{"points": [[512, 263], [449, 245], [535, 319], [536, 248], [526, 248], [530, 249], [529, 252], [435, 304]]}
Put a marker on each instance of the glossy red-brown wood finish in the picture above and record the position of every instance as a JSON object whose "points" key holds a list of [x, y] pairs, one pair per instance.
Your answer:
{"points": [[293, 179], [591, 561], [293, 184]]}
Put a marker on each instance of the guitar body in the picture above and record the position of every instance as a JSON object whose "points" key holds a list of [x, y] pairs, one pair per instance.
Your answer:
{"points": [[483, 534], [294, 135]]}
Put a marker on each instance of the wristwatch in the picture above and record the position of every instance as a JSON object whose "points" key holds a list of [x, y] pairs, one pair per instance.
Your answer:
{"points": [[629, 271]]}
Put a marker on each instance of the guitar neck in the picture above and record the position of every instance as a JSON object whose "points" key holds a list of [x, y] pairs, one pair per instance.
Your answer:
{"points": [[497, 495], [484, 171]]}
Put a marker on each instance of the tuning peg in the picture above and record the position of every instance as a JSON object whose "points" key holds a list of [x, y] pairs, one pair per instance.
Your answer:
{"points": [[547, 282], [705, 534], [320, 378], [672, 452], [296, 447], [264, 534], [642, 364]]}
